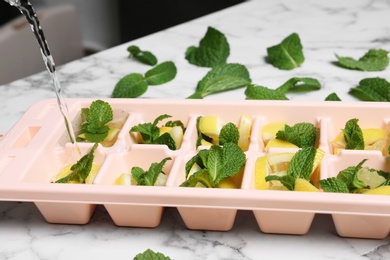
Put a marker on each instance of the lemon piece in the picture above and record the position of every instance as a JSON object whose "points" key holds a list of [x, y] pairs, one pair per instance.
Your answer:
{"points": [[111, 137], [161, 179], [205, 143], [269, 131], [339, 142], [279, 143], [382, 190], [374, 139], [370, 177], [195, 167], [123, 179], [211, 126], [116, 123], [233, 182], [304, 185], [165, 129], [177, 134], [66, 171], [273, 164], [92, 174], [244, 129]]}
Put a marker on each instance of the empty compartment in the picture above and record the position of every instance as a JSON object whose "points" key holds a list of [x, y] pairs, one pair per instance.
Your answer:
{"points": [[357, 225], [127, 214]]}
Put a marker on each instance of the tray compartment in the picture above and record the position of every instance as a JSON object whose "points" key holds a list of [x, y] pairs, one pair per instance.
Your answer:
{"points": [[142, 156]]}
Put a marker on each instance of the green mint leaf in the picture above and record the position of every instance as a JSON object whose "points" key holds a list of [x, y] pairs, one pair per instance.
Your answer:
{"points": [[301, 134], [353, 135], [263, 93], [151, 255], [166, 139], [161, 74], [348, 175], [145, 57], [229, 134], [98, 114], [81, 169], [222, 78], [149, 177], [130, 86], [299, 84], [288, 181], [233, 161], [301, 165], [372, 89], [332, 97], [373, 60], [148, 131], [213, 50], [215, 162], [160, 118], [203, 177], [288, 54], [196, 159], [334, 185]]}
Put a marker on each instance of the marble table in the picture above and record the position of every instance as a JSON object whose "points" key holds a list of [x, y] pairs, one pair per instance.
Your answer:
{"points": [[348, 28]]}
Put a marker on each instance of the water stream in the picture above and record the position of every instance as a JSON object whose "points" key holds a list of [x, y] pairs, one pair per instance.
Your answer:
{"points": [[27, 10]]}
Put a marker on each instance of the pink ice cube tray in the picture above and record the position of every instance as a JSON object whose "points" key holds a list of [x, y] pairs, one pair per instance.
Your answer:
{"points": [[37, 147]]}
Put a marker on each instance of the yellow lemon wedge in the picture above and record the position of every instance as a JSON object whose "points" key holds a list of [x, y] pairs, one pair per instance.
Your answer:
{"points": [[374, 139], [205, 143], [244, 129], [269, 131], [233, 182], [370, 177], [273, 164], [89, 180], [278, 143], [211, 126], [304, 185], [124, 179], [111, 137], [176, 132], [382, 190]]}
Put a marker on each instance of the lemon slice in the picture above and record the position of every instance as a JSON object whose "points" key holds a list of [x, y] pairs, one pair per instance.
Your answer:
{"points": [[111, 137], [176, 132], [304, 185], [92, 174], [89, 180], [269, 131], [382, 190], [233, 182], [161, 179], [278, 143], [195, 167], [370, 178], [205, 143], [244, 129], [374, 139], [273, 164], [123, 179], [211, 126]]}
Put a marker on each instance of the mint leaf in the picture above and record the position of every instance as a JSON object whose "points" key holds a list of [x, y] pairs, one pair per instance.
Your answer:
{"points": [[353, 135], [96, 116], [229, 134], [334, 185], [222, 78], [299, 84], [149, 177], [263, 93], [288, 54], [213, 50], [145, 57], [373, 60], [130, 86], [151, 255], [161, 74], [372, 89], [332, 97], [81, 169], [301, 165], [166, 139], [301, 134]]}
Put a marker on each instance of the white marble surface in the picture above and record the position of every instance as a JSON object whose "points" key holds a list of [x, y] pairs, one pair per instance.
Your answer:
{"points": [[348, 28]]}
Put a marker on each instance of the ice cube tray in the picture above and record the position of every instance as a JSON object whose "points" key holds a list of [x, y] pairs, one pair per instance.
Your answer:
{"points": [[36, 148]]}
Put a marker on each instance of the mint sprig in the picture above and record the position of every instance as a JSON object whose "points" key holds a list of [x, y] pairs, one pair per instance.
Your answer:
{"points": [[300, 134], [145, 57], [213, 50], [135, 84], [222, 78], [353, 135], [217, 164], [288, 54], [150, 132], [373, 60], [372, 89], [148, 177], [151, 255], [96, 117], [81, 169]]}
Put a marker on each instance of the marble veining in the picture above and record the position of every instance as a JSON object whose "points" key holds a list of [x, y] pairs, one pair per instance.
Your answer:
{"points": [[348, 28]]}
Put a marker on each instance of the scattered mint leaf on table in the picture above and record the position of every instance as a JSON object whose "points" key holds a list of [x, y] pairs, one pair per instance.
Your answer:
{"points": [[151, 255], [213, 50], [96, 117], [81, 169], [263, 93], [135, 84], [149, 177], [353, 135], [299, 84], [222, 78], [332, 97], [373, 60], [300, 134], [288, 54], [372, 89], [217, 164], [162, 73], [145, 57]]}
